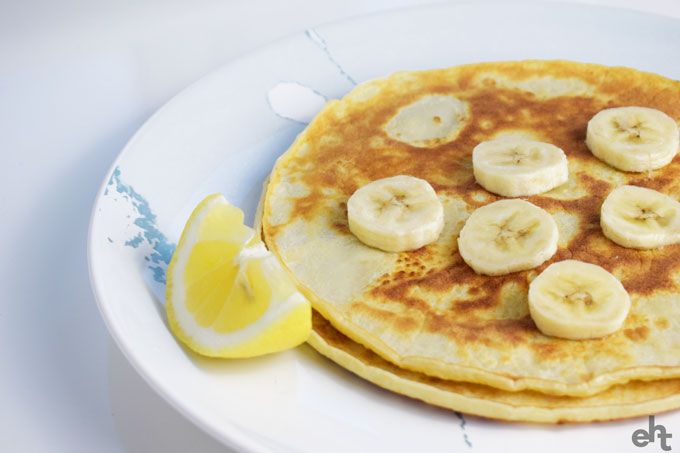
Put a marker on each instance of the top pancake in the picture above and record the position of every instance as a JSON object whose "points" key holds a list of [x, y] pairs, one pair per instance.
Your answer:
{"points": [[426, 310]]}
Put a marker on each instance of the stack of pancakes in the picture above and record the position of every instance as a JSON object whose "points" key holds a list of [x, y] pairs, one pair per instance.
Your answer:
{"points": [[423, 323]]}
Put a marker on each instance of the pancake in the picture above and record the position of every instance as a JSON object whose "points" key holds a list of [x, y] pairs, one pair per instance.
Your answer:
{"points": [[617, 402], [620, 401], [426, 310]]}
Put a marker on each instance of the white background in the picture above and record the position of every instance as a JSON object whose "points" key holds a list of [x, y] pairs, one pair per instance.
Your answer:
{"points": [[77, 78]]}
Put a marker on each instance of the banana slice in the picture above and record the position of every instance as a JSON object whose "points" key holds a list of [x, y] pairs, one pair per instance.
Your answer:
{"points": [[518, 167], [507, 236], [396, 214], [640, 218], [576, 300], [633, 138]]}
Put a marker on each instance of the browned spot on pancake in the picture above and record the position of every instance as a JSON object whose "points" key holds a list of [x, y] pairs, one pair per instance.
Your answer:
{"points": [[501, 333], [638, 333], [440, 281], [611, 346], [653, 272], [661, 323], [475, 304], [665, 180], [515, 331], [587, 376], [458, 331], [419, 254], [397, 290], [342, 227], [307, 206], [547, 351], [403, 322]]}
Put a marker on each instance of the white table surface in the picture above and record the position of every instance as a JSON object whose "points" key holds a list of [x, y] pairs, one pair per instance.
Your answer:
{"points": [[77, 78]]}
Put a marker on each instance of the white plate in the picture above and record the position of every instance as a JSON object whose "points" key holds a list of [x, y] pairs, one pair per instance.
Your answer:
{"points": [[223, 134]]}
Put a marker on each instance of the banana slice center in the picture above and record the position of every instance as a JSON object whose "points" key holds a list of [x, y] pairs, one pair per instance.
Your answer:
{"points": [[580, 298], [635, 131], [577, 295], [519, 156], [646, 214], [393, 207], [514, 232], [652, 217]]}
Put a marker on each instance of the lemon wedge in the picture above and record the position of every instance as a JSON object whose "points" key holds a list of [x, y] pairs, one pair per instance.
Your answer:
{"points": [[226, 294]]}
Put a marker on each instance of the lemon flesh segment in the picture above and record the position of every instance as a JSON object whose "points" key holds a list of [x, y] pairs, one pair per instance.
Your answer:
{"points": [[227, 295], [209, 278]]}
